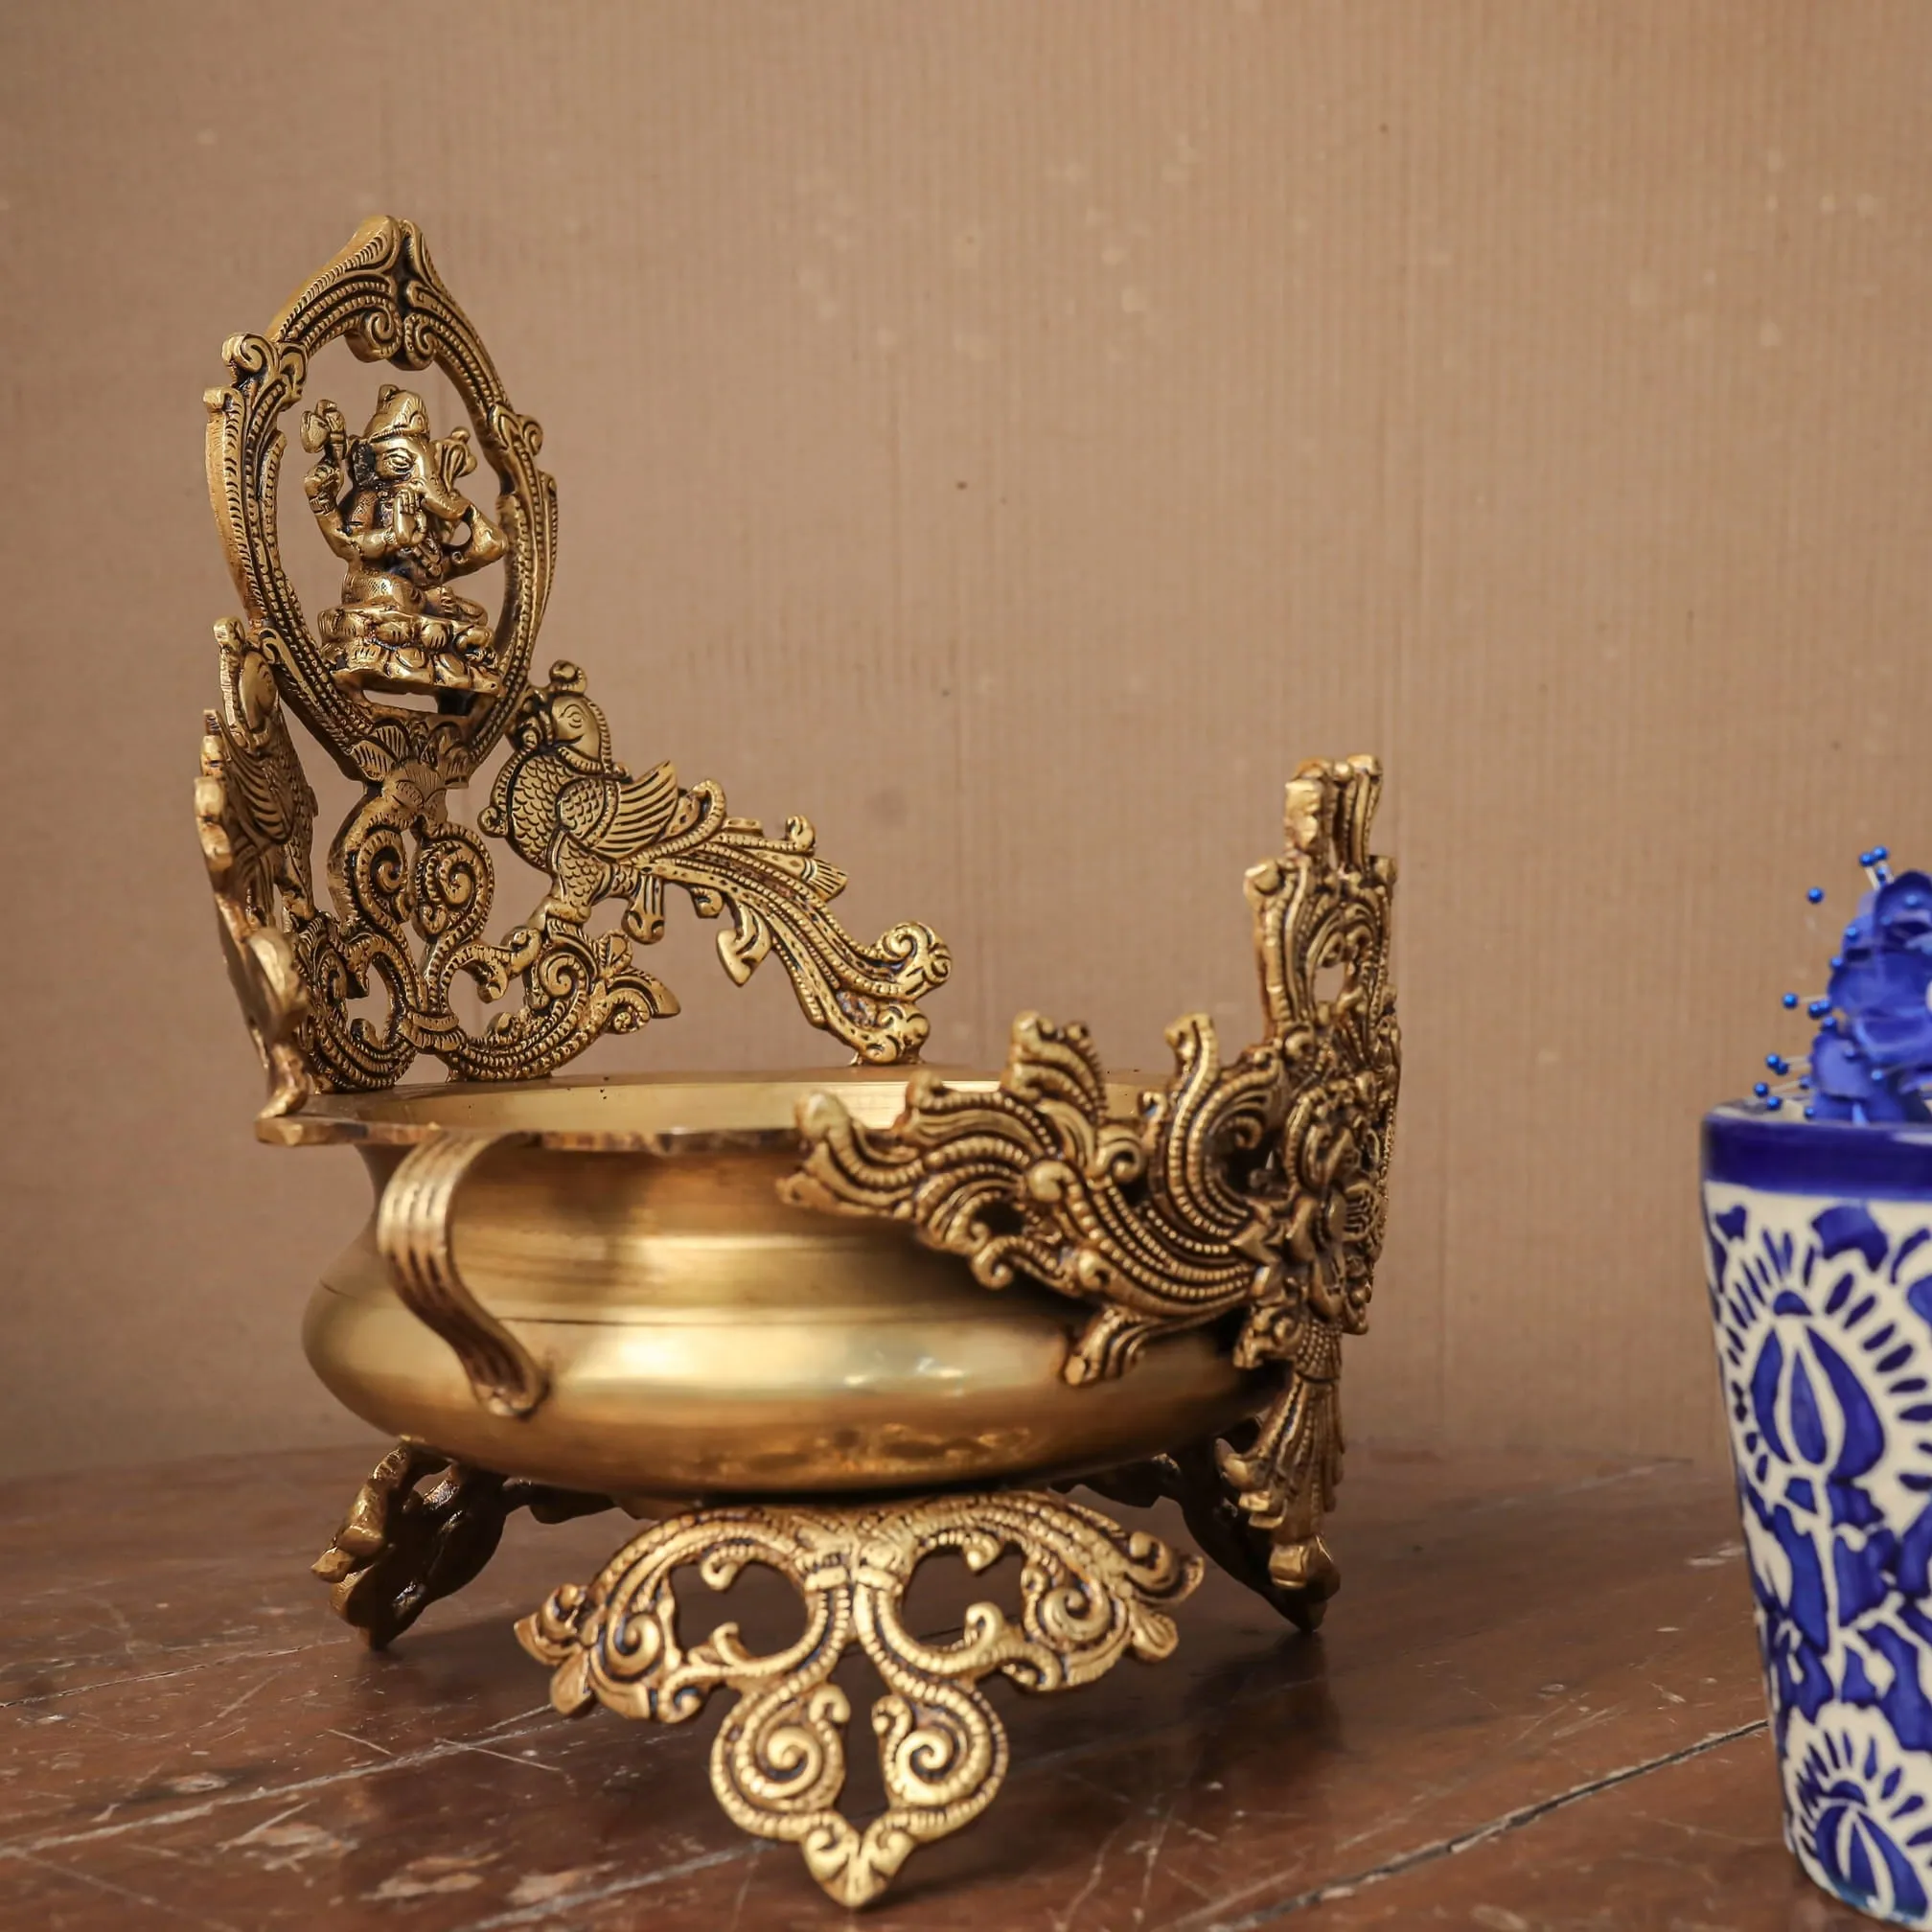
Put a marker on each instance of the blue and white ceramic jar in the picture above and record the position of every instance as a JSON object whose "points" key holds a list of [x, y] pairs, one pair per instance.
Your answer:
{"points": [[1819, 1250]]}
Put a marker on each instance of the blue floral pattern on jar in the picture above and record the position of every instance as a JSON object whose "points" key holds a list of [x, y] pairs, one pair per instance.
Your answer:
{"points": [[1823, 1311], [1861, 1815]]}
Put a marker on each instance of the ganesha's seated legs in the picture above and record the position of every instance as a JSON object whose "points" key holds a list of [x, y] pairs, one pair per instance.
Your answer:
{"points": [[444, 602]]}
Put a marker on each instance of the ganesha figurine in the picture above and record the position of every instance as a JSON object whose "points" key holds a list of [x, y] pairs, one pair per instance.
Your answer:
{"points": [[403, 529], [758, 1313]]}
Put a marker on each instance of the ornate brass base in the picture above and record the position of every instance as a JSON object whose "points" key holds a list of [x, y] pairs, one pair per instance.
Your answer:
{"points": [[1294, 1574], [1254, 1498], [1091, 1592]]}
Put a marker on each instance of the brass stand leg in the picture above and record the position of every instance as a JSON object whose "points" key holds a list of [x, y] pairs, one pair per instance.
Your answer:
{"points": [[1283, 1477], [1091, 1593], [402, 1546], [1255, 1501]]}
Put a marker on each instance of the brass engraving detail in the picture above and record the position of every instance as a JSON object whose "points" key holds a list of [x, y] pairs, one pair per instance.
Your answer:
{"points": [[1244, 1195], [386, 502], [409, 685], [1251, 1192], [255, 814], [568, 808], [1255, 1503], [382, 297], [1091, 1593]]}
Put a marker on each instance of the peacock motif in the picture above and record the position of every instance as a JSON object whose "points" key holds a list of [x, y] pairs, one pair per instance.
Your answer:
{"points": [[566, 806]]}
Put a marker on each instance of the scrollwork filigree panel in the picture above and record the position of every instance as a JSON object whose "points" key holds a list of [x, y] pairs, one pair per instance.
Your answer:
{"points": [[1091, 1593], [1250, 1192]]}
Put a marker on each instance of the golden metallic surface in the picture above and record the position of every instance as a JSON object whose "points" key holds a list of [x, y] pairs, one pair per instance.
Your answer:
{"points": [[386, 503], [681, 1294], [409, 686], [621, 1113], [255, 814], [699, 1337], [1091, 1593], [1255, 1191], [413, 1236]]}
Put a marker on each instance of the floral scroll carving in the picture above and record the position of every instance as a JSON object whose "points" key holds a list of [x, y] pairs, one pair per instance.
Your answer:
{"points": [[1250, 1192], [1091, 1593], [1245, 1196]]}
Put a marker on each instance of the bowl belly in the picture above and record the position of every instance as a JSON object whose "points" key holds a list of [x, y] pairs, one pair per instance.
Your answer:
{"points": [[702, 1339]]}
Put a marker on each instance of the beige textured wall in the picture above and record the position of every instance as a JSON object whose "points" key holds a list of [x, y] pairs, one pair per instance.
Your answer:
{"points": [[1016, 434]]}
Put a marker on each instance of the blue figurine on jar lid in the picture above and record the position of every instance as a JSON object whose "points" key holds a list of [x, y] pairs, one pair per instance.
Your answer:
{"points": [[1871, 1059]]}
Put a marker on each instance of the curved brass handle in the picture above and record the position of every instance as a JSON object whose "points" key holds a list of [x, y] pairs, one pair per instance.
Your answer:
{"points": [[412, 1230]]}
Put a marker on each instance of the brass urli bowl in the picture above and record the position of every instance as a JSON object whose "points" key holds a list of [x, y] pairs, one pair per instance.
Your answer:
{"points": [[831, 1323], [701, 1338]]}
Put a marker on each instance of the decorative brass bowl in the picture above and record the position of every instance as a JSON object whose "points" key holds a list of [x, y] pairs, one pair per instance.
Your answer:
{"points": [[699, 1336], [754, 1311]]}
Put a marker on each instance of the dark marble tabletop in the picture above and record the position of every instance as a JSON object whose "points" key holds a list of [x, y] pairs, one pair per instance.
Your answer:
{"points": [[1534, 1704]]}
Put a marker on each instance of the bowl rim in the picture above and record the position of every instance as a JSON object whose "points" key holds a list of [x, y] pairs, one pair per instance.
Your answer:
{"points": [[403, 1117], [1746, 1145]]}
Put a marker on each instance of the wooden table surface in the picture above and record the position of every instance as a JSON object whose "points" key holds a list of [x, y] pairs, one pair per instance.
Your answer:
{"points": [[1535, 1704]]}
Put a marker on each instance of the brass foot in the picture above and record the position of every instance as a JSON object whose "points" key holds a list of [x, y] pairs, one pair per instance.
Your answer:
{"points": [[402, 1546], [1091, 1592], [1255, 1501], [1296, 1575]]}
